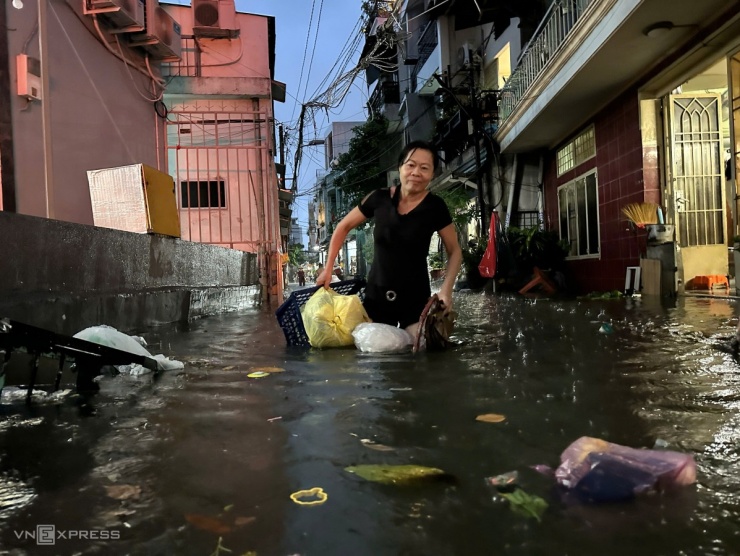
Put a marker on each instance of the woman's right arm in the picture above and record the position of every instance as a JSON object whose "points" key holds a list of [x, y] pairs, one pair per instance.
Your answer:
{"points": [[345, 226]]}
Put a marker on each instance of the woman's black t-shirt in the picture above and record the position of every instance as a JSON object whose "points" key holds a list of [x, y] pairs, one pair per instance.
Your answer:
{"points": [[402, 240]]}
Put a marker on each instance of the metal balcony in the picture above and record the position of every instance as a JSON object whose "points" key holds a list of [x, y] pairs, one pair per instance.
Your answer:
{"points": [[427, 43], [385, 93], [546, 41]]}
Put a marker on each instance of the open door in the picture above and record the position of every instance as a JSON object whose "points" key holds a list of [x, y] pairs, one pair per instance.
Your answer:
{"points": [[696, 176]]}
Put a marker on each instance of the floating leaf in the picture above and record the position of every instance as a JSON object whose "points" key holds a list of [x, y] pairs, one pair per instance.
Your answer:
{"points": [[526, 504], [123, 492], [395, 474], [375, 446], [267, 370], [228, 508], [258, 374], [207, 523], [491, 418], [229, 368], [242, 521]]}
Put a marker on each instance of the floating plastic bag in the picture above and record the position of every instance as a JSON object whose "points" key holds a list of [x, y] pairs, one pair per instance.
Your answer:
{"points": [[329, 318], [600, 471], [375, 337], [108, 336]]}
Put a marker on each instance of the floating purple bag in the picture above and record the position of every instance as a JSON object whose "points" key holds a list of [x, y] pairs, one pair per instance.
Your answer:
{"points": [[600, 471]]}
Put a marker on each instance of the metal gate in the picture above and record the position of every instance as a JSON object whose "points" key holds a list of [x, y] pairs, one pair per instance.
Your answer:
{"points": [[221, 166], [696, 177]]}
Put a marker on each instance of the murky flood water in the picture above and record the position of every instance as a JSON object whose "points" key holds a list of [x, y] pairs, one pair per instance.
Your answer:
{"points": [[168, 466]]}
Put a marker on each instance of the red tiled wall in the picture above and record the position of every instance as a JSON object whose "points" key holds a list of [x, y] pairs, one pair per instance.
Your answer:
{"points": [[626, 173]]}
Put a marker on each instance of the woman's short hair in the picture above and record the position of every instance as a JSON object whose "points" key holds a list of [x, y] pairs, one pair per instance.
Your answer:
{"points": [[415, 145]]}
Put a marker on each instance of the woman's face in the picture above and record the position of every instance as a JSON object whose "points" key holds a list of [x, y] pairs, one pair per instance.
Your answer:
{"points": [[417, 171]]}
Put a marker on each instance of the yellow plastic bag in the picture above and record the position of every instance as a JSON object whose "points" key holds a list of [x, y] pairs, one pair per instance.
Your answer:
{"points": [[329, 318]]}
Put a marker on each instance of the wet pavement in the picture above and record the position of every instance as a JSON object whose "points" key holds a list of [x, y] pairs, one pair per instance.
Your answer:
{"points": [[169, 465]]}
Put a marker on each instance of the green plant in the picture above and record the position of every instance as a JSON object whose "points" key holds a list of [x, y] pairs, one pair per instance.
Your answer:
{"points": [[472, 254], [537, 247], [463, 212], [436, 261]]}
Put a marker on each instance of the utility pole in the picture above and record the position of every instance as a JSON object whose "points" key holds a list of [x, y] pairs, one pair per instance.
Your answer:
{"points": [[475, 117]]}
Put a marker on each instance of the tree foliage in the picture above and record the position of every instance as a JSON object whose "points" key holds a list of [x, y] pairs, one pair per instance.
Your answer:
{"points": [[359, 171], [463, 212], [296, 255]]}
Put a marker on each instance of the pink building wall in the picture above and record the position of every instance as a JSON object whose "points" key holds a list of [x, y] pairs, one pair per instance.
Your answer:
{"points": [[98, 116], [220, 129]]}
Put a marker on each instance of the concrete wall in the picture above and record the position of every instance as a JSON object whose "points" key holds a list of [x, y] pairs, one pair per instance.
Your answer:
{"points": [[65, 276]]}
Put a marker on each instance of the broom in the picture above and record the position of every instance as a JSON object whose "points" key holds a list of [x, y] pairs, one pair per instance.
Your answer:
{"points": [[641, 213]]}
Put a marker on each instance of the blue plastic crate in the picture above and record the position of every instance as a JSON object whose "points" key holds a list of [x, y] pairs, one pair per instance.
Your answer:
{"points": [[289, 313]]}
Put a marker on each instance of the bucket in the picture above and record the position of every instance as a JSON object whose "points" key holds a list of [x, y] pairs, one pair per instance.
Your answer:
{"points": [[657, 234]]}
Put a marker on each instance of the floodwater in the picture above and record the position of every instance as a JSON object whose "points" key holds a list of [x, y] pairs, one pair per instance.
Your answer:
{"points": [[167, 466]]}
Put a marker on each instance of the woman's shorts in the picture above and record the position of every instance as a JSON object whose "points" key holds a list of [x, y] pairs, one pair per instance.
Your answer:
{"points": [[389, 307]]}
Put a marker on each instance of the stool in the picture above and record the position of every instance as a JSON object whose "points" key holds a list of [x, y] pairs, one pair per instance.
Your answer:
{"points": [[540, 279], [628, 275], [708, 282]]}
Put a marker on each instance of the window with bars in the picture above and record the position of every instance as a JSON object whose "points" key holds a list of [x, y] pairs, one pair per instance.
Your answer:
{"points": [[203, 194], [578, 209], [578, 151]]}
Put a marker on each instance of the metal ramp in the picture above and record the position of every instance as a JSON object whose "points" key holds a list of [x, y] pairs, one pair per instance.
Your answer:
{"points": [[88, 357]]}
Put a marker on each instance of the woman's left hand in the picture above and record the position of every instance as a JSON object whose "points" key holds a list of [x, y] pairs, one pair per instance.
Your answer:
{"points": [[446, 299]]}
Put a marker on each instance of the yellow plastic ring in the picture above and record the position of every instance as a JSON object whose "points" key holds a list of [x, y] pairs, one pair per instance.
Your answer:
{"points": [[316, 492]]}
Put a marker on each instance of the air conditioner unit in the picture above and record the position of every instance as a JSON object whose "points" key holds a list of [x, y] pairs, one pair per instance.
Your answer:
{"points": [[214, 18], [465, 55], [126, 16], [161, 38], [28, 75]]}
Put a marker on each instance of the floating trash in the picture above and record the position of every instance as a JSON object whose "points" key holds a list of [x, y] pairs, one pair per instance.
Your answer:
{"points": [[504, 482], [375, 446], [606, 328], [310, 497], [258, 374]]}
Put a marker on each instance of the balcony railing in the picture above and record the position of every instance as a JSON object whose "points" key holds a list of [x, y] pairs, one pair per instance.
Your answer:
{"points": [[549, 37], [385, 92], [426, 45], [189, 64]]}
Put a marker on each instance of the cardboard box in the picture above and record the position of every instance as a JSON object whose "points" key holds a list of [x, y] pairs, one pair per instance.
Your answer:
{"points": [[135, 198]]}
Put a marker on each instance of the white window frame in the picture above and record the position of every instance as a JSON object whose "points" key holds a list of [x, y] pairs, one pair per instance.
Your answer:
{"points": [[572, 189], [577, 151]]}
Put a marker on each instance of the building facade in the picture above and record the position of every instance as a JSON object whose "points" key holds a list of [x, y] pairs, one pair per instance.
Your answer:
{"points": [[620, 102]]}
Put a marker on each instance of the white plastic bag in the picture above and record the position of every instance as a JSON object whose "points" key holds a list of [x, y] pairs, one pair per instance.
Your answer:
{"points": [[374, 337], [108, 336]]}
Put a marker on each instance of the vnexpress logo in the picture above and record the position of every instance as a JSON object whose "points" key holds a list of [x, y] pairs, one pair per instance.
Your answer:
{"points": [[46, 534], [49, 534]]}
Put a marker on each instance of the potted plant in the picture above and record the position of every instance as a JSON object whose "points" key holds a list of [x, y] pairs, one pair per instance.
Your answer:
{"points": [[535, 247], [472, 254], [436, 265]]}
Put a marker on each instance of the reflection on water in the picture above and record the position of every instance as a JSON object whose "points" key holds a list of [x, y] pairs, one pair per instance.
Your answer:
{"points": [[174, 463]]}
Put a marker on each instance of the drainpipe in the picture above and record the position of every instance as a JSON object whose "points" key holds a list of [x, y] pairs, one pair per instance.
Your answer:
{"points": [[46, 110], [540, 193]]}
